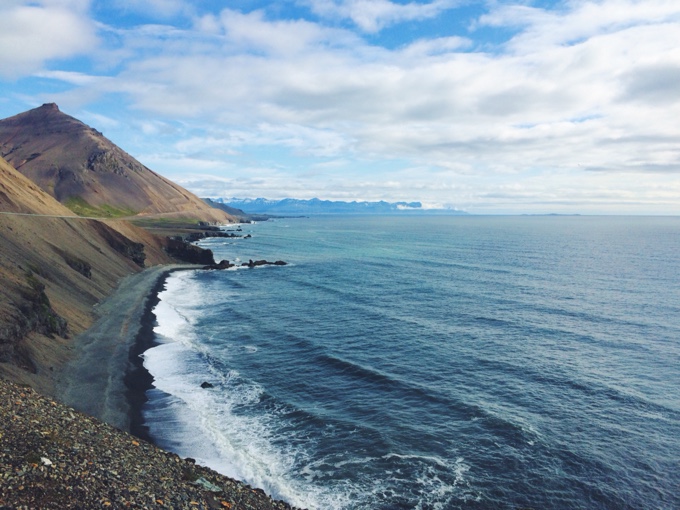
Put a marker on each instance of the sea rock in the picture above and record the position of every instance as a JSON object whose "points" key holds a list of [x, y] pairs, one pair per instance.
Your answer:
{"points": [[206, 384], [251, 263], [197, 236], [224, 264]]}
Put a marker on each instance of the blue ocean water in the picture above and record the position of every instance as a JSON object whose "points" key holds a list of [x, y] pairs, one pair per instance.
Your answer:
{"points": [[431, 362]]}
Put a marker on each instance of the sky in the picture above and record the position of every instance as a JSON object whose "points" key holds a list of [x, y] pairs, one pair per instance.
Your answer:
{"points": [[492, 107]]}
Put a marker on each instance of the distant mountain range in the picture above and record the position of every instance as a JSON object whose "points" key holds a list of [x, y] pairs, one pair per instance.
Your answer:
{"points": [[292, 206]]}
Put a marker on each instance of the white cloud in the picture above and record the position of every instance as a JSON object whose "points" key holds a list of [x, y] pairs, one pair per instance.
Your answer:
{"points": [[252, 32], [580, 105], [578, 21], [373, 15], [32, 33], [71, 77]]}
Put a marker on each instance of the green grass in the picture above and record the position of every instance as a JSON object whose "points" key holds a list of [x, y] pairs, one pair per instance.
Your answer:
{"points": [[174, 222], [80, 207]]}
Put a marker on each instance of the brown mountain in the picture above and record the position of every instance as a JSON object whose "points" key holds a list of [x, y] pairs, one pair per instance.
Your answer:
{"points": [[86, 172], [53, 268]]}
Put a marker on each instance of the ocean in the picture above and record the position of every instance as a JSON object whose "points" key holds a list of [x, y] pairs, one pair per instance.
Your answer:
{"points": [[416, 362]]}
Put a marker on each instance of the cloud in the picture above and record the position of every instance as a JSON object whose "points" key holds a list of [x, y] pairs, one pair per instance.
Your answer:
{"points": [[658, 84], [432, 101], [576, 21], [576, 94], [33, 33], [374, 15], [252, 32]]}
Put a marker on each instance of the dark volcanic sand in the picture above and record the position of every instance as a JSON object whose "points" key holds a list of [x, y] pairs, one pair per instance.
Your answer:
{"points": [[52, 456]]}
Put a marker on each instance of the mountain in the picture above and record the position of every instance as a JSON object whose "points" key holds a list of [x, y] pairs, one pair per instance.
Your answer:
{"points": [[64, 245], [85, 171], [54, 268], [232, 211], [315, 206]]}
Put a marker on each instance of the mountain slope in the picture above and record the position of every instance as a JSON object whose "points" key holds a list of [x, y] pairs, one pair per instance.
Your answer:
{"points": [[85, 171], [53, 269]]}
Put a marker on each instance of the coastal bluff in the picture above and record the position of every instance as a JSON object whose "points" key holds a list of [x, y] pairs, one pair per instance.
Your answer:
{"points": [[63, 260]]}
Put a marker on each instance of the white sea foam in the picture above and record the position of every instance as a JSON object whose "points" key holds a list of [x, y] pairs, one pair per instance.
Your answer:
{"points": [[209, 425], [219, 427], [228, 429], [176, 311]]}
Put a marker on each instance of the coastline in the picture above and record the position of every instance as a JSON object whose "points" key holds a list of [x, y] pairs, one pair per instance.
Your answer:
{"points": [[137, 380], [106, 378], [97, 423]]}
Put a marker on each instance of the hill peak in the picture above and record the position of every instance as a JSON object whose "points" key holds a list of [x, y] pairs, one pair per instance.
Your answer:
{"points": [[88, 173], [49, 106]]}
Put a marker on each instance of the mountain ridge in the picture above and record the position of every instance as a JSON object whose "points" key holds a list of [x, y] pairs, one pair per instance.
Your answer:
{"points": [[82, 169], [318, 206], [55, 265]]}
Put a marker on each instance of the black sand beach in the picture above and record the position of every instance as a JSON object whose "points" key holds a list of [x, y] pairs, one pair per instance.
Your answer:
{"points": [[95, 381], [53, 456]]}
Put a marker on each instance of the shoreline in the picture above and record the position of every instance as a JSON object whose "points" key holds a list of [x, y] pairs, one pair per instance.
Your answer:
{"points": [[137, 379], [106, 378], [98, 407]]}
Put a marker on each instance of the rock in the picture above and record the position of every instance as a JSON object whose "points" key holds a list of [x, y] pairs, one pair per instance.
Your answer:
{"points": [[130, 249], [224, 264], [189, 252], [256, 263], [206, 384], [207, 485]]}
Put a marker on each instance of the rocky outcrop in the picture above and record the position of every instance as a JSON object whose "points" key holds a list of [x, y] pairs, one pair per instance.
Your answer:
{"points": [[197, 236], [33, 312], [186, 252], [257, 263], [225, 264], [129, 249], [80, 266], [38, 313]]}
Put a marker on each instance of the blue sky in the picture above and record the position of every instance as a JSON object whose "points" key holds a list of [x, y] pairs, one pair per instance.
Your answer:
{"points": [[492, 107]]}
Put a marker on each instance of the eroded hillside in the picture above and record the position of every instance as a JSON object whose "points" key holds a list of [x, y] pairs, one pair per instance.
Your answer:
{"points": [[85, 171], [53, 268]]}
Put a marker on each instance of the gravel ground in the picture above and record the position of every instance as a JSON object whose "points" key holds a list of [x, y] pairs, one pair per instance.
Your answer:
{"points": [[52, 456]]}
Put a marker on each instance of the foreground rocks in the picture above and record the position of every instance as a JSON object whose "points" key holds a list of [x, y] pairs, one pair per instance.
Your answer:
{"points": [[54, 457]]}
